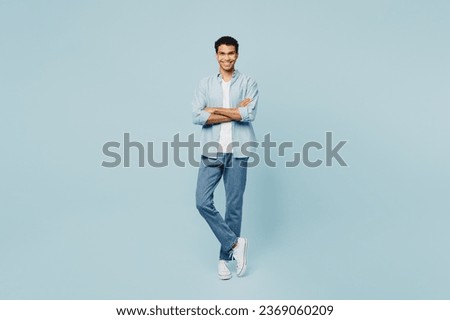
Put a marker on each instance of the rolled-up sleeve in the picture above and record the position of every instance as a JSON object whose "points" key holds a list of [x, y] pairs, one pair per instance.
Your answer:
{"points": [[199, 115], [248, 113]]}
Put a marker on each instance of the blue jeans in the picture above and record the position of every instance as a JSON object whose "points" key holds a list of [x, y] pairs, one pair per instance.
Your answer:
{"points": [[234, 173]]}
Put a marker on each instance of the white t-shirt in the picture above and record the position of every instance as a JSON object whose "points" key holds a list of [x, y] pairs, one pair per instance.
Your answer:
{"points": [[225, 137]]}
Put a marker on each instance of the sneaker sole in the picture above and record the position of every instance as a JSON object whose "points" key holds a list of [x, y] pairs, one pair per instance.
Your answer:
{"points": [[240, 274], [227, 277]]}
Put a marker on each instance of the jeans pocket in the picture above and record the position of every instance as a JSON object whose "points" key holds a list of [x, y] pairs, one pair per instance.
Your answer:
{"points": [[211, 162]]}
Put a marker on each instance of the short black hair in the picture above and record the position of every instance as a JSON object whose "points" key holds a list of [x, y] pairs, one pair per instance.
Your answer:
{"points": [[227, 40]]}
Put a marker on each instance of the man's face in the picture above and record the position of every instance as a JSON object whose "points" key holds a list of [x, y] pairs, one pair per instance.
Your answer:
{"points": [[226, 56]]}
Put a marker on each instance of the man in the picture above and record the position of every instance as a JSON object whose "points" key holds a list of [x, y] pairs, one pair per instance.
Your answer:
{"points": [[225, 105]]}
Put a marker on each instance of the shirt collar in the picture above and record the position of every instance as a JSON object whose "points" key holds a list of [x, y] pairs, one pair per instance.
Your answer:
{"points": [[233, 77]]}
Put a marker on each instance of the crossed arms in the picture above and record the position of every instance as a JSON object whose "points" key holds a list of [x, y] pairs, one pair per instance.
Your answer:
{"points": [[219, 115], [245, 111]]}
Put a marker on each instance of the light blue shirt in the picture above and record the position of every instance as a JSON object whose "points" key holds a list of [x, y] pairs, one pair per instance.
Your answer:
{"points": [[209, 94]]}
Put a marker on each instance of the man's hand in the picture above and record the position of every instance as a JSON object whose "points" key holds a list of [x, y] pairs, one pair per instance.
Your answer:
{"points": [[245, 102], [219, 110]]}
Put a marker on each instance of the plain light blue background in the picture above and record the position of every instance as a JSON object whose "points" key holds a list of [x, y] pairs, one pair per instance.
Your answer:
{"points": [[76, 74]]}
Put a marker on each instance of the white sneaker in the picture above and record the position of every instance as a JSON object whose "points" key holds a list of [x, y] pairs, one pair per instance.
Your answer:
{"points": [[223, 271], [240, 255]]}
